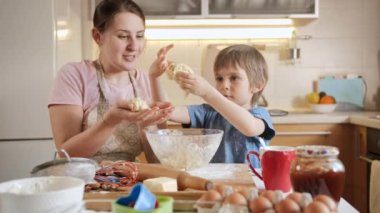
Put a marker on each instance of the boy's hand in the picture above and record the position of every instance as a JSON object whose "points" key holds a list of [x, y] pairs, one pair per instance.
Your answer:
{"points": [[161, 113], [194, 84], [161, 63]]}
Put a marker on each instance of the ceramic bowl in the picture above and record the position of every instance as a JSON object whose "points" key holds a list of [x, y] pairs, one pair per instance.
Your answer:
{"points": [[323, 108], [42, 194]]}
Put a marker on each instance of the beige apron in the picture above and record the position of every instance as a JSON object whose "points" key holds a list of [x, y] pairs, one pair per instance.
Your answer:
{"points": [[125, 141]]}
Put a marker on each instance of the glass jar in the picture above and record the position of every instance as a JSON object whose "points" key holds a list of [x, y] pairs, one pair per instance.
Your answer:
{"points": [[317, 170]]}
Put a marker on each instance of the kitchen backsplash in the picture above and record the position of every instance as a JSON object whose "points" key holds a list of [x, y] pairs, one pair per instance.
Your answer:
{"points": [[345, 39]]}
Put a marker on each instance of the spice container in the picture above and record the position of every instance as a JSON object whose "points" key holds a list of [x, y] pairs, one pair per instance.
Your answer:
{"points": [[317, 170]]}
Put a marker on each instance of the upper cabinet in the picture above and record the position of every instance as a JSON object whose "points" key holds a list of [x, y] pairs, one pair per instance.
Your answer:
{"points": [[158, 9], [270, 8], [171, 8]]}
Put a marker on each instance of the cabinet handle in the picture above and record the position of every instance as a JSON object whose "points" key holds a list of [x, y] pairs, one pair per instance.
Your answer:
{"points": [[368, 160], [357, 145], [304, 133]]}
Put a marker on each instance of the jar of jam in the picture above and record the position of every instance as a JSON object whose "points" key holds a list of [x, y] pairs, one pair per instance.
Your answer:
{"points": [[317, 170]]}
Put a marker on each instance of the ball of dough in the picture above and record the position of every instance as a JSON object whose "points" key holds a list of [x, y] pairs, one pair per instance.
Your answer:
{"points": [[174, 68], [138, 104]]}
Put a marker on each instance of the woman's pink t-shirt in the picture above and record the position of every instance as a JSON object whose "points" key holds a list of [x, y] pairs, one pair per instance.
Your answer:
{"points": [[77, 84]]}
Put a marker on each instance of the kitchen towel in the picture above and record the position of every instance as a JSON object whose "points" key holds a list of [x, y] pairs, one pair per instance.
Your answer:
{"points": [[374, 189]]}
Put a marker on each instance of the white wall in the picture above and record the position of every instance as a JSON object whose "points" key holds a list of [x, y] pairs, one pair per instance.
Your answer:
{"points": [[70, 48]]}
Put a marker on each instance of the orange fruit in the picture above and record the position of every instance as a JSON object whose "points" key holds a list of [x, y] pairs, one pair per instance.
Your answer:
{"points": [[327, 99]]}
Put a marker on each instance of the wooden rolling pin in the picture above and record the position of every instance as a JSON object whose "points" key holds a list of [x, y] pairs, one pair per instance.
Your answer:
{"points": [[184, 179]]}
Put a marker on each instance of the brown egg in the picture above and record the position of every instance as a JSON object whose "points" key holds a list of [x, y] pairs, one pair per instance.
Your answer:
{"points": [[316, 207], [224, 190], [260, 204], [303, 199], [287, 206], [296, 196], [328, 201], [274, 196], [235, 198], [208, 199], [249, 193]]}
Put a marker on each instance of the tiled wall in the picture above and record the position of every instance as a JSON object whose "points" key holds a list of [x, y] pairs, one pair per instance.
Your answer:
{"points": [[345, 39]]}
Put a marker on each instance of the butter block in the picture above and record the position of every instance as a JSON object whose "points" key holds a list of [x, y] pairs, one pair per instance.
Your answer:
{"points": [[161, 184]]}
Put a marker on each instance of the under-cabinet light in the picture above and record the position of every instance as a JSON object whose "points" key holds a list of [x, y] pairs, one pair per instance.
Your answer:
{"points": [[217, 33], [63, 34], [62, 23], [217, 22]]}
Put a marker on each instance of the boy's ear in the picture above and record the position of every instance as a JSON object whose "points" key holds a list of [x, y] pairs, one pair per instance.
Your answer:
{"points": [[96, 35], [258, 88]]}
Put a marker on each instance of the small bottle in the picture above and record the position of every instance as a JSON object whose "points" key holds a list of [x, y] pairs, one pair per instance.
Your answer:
{"points": [[317, 170]]}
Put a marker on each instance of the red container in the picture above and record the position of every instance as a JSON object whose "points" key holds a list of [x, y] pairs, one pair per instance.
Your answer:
{"points": [[275, 163], [317, 170]]}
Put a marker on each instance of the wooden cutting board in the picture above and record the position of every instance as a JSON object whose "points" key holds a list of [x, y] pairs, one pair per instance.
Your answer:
{"points": [[236, 175], [231, 174], [102, 201]]}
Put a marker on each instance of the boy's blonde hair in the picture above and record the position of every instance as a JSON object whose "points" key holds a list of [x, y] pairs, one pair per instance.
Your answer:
{"points": [[248, 58]]}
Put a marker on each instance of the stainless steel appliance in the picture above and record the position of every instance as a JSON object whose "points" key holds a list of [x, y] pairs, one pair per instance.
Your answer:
{"points": [[373, 143]]}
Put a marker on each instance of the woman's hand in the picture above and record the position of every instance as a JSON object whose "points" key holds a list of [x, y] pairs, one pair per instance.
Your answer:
{"points": [[122, 110], [157, 113], [194, 84], [161, 63]]}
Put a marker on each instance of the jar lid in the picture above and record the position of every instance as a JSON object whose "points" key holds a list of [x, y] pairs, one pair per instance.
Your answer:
{"points": [[317, 151]]}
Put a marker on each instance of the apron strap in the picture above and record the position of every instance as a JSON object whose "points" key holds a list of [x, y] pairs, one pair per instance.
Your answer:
{"points": [[104, 105]]}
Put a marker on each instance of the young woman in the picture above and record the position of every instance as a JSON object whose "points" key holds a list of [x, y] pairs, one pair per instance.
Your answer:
{"points": [[90, 108]]}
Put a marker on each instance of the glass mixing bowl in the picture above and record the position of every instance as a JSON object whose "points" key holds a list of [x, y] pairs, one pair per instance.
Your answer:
{"points": [[184, 149]]}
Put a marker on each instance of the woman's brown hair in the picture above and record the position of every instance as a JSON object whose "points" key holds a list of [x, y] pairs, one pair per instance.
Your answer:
{"points": [[107, 9]]}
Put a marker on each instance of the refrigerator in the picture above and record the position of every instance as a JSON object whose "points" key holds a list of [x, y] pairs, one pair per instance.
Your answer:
{"points": [[27, 64]]}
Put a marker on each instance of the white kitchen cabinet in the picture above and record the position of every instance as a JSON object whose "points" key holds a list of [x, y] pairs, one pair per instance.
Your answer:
{"points": [[18, 158]]}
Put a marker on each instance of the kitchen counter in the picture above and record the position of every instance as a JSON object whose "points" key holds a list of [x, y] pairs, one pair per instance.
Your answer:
{"points": [[226, 173], [364, 118]]}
